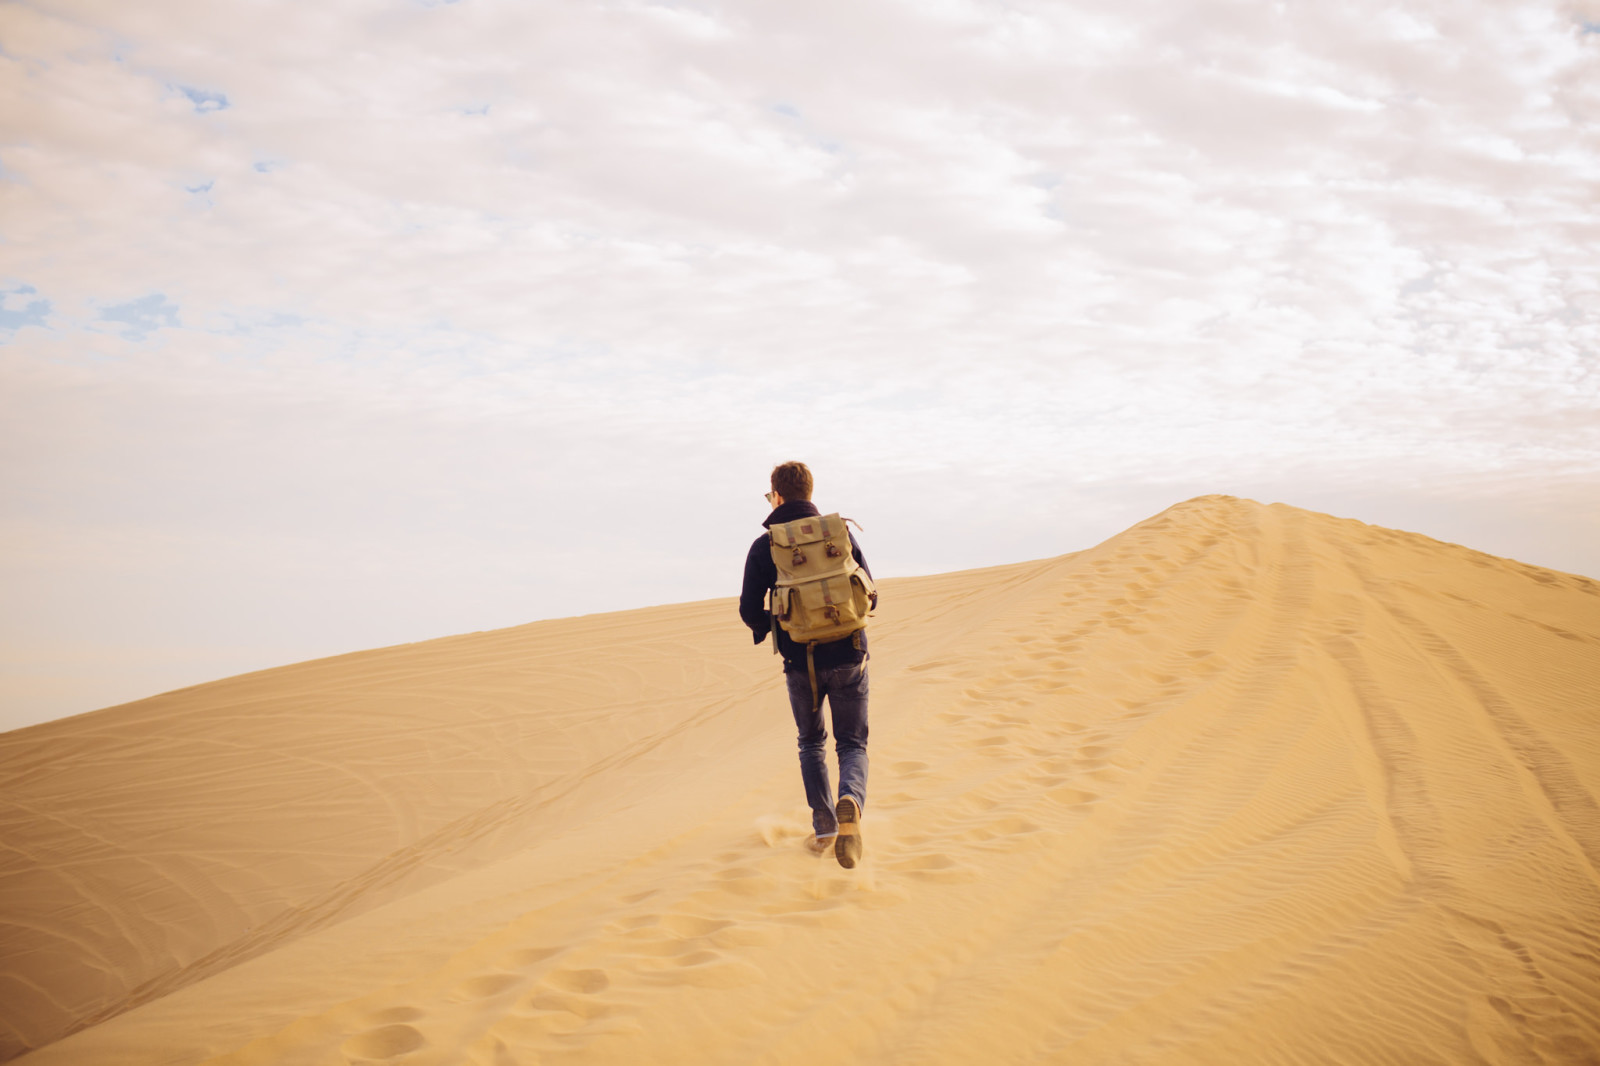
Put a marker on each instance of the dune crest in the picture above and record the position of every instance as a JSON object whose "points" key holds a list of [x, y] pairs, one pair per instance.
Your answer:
{"points": [[1243, 784]]}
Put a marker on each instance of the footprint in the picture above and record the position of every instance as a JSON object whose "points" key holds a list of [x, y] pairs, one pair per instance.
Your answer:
{"points": [[743, 936], [579, 1007], [1004, 828], [483, 987], [537, 1024], [910, 768], [396, 1014], [687, 925], [698, 958], [935, 861], [532, 956], [709, 969], [825, 911], [1562, 633], [744, 881], [1072, 797], [387, 1042], [637, 921], [502, 1053], [587, 981], [650, 944], [936, 867]]}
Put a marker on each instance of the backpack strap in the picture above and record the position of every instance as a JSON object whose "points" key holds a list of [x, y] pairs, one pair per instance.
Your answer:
{"points": [[811, 672]]}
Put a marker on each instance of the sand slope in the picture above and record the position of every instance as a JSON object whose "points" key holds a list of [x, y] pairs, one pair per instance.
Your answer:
{"points": [[1241, 785]]}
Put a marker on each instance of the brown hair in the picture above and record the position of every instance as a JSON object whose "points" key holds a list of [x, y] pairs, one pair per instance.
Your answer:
{"points": [[792, 481]]}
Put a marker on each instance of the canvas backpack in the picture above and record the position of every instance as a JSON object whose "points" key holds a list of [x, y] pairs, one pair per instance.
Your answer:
{"points": [[822, 593]]}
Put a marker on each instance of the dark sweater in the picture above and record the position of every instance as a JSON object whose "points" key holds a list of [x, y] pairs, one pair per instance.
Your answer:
{"points": [[761, 574]]}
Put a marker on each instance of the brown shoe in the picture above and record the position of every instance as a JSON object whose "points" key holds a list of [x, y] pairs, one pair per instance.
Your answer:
{"points": [[819, 846], [848, 849]]}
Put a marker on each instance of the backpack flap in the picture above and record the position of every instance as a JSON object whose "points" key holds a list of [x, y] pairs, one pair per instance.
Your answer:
{"points": [[808, 531], [824, 610], [822, 594], [811, 548]]}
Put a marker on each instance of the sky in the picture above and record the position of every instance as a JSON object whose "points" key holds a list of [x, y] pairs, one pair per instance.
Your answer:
{"points": [[339, 325]]}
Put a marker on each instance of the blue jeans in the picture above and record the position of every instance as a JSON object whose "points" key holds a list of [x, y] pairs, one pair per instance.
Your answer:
{"points": [[845, 689]]}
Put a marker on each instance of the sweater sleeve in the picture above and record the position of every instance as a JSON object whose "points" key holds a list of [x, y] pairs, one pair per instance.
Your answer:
{"points": [[759, 575]]}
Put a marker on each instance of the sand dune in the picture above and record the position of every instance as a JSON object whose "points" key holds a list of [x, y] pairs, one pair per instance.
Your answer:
{"points": [[1243, 784]]}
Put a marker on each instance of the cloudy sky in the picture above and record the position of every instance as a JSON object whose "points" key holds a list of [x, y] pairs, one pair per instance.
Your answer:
{"points": [[327, 326]]}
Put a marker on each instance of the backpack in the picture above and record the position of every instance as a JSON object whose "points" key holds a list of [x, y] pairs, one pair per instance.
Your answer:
{"points": [[822, 594]]}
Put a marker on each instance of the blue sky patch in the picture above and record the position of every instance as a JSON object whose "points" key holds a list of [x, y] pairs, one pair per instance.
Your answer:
{"points": [[203, 100], [143, 316], [18, 308]]}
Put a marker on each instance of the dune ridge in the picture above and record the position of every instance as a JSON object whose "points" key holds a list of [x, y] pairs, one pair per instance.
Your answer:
{"points": [[1241, 784]]}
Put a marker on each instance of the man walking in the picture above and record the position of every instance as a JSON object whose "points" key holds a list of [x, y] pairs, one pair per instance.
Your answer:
{"points": [[819, 607]]}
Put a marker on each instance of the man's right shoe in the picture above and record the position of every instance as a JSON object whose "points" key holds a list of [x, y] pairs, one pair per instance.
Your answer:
{"points": [[848, 847]]}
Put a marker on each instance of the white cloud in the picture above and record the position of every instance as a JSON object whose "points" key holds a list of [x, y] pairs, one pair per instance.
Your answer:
{"points": [[372, 261]]}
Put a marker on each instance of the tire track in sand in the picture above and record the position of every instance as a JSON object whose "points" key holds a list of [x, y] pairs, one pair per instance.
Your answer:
{"points": [[1565, 806]]}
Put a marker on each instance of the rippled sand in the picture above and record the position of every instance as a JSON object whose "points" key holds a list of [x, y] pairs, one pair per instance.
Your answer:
{"points": [[1243, 784]]}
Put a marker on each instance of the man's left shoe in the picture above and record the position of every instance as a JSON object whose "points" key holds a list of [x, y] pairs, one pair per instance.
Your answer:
{"points": [[848, 849], [819, 845]]}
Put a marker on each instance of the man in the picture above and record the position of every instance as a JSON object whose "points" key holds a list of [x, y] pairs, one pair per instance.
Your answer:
{"points": [[840, 669]]}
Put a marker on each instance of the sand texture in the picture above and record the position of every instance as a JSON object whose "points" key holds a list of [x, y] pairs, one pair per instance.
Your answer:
{"points": [[1243, 784]]}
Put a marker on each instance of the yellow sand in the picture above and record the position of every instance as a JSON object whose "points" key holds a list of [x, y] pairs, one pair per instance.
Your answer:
{"points": [[1243, 784]]}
